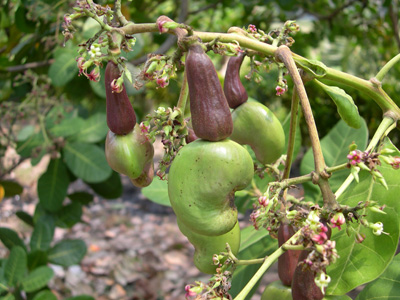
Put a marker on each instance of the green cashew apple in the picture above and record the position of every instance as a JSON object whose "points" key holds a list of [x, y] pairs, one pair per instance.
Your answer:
{"points": [[255, 125], [131, 155], [207, 246], [202, 182]]}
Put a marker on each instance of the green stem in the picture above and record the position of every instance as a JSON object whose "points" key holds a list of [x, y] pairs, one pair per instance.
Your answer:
{"points": [[387, 67], [294, 113], [119, 14], [381, 132], [293, 247], [370, 89], [264, 267], [336, 168], [183, 96], [295, 180], [249, 262]]}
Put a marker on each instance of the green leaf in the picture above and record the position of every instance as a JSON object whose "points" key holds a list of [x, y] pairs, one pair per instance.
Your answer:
{"points": [[111, 188], [36, 258], [23, 23], [37, 279], [42, 234], [93, 130], [157, 192], [15, 267], [87, 161], [80, 297], [68, 127], [25, 133], [63, 69], [24, 148], [11, 188], [10, 238], [69, 215], [254, 244], [81, 197], [67, 253], [387, 286], [53, 185], [27, 218], [56, 114], [45, 295], [361, 263], [315, 67], [346, 108], [335, 150], [9, 296]]}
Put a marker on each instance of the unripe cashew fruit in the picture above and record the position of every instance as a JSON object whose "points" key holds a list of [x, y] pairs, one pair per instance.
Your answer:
{"points": [[303, 284], [287, 262], [206, 246], [211, 117], [121, 118], [202, 181], [131, 155], [255, 125], [234, 90]]}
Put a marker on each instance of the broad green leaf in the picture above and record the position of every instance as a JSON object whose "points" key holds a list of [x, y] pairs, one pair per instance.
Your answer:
{"points": [[56, 114], [69, 215], [67, 253], [63, 69], [42, 234], [254, 244], [25, 133], [27, 218], [45, 295], [387, 286], [36, 258], [335, 150], [9, 296], [22, 22], [315, 67], [81, 197], [87, 161], [37, 279], [11, 188], [111, 188], [15, 267], [94, 129], [10, 238], [68, 127], [52, 185], [157, 192], [80, 297], [24, 148], [346, 108], [361, 263]]}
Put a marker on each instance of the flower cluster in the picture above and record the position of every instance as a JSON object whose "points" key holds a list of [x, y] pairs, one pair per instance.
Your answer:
{"points": [[170, 125], [159, 69], [217, 288]]}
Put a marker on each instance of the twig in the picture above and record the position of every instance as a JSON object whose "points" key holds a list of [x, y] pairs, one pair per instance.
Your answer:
{"points": [[31, 65]]}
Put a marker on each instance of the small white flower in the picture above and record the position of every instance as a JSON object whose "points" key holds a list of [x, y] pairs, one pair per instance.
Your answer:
{"points": [[160, 110], [312, 218], [322, 280], [377, 228], [94, 51]]}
